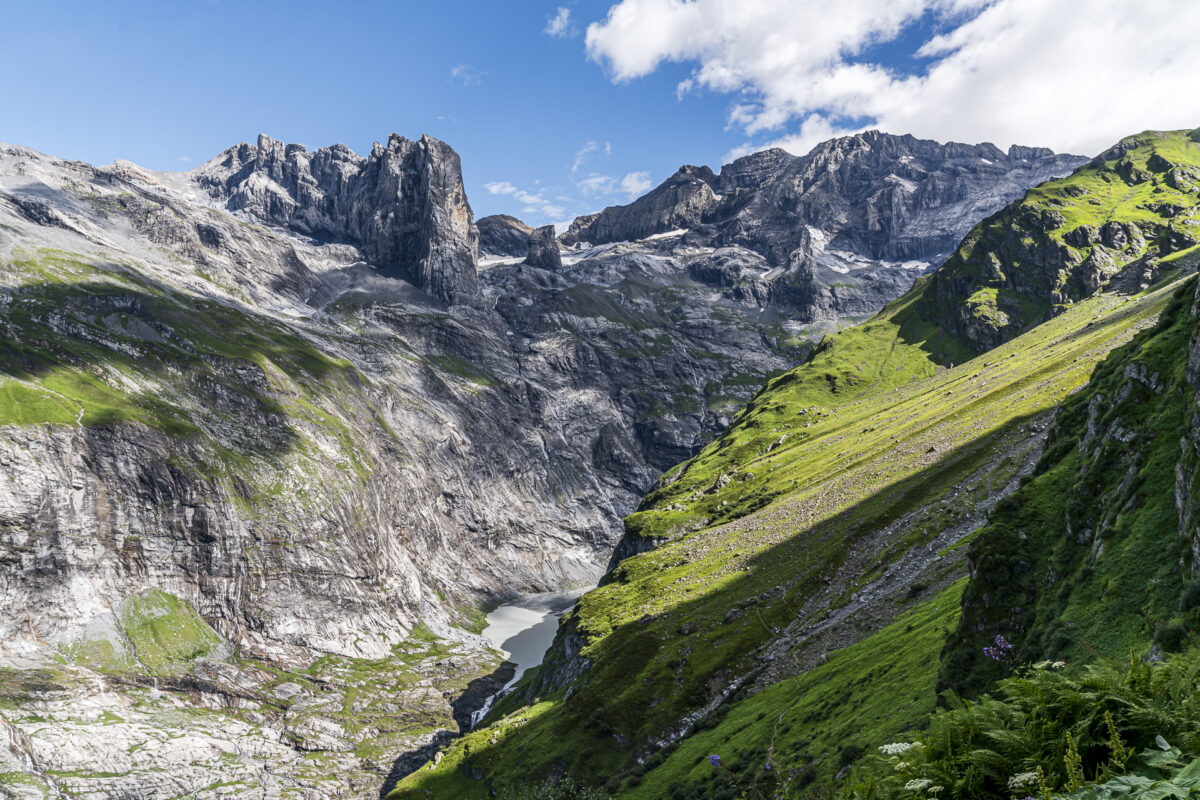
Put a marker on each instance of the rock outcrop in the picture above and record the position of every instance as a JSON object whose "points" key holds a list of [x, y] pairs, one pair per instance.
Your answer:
{"points": [[502, 235], [543, 249], [1129, 210], [404, 205]]}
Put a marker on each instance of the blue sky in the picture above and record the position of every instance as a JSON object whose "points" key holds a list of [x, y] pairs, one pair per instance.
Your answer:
{"points": [[160, 82], [551, 126]]}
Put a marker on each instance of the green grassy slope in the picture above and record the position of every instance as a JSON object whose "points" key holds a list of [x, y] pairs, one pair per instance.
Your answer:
{"points": [[836, 501], [1111, 220], [89, 344], [678, 631], [1097, 552]]}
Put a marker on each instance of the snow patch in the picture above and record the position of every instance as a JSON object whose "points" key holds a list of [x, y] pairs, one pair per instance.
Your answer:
{"points": [[667, 235]]}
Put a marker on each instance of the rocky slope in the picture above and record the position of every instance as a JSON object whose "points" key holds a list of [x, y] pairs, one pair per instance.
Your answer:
{"points": [[278, 394], [817, 543]]}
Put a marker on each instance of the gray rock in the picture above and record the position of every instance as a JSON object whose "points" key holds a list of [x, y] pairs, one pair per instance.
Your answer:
{"points": [[502, 235], [543, 249], [404, 205]]}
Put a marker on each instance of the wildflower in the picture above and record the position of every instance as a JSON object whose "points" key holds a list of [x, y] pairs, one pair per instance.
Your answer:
{"points": [[934, 789], [901, 765], [896, 748], [1022, 779], [1002, 643], [768, 766], [715, 760], [918, 785], [1042, 665], [1058, 665]]}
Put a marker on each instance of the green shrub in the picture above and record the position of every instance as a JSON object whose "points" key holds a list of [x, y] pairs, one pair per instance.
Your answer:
{"points": [[1048, 730]]}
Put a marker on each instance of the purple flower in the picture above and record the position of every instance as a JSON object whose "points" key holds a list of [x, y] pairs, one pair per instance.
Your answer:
{"points": [[1002, 643], [768, 766], [715, 760]]}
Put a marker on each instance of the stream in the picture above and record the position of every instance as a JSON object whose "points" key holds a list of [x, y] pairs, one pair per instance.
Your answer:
{"points": [[524, 629]]}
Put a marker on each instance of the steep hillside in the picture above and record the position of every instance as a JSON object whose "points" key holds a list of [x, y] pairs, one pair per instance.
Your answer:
{"points": [[1097, 552], [808, 546], [1109, 222], [836, 503]]}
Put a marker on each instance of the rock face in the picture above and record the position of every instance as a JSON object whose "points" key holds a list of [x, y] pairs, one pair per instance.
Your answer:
{"points": [[543, 249], [404, 205], [277, 389], [863, 206], [502, 235]]}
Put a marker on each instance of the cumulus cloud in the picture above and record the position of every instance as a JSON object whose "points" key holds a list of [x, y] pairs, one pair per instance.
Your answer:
{"points": [[1074, 76], [531, 202], [467, 75], [590, 149], [560, 24]]}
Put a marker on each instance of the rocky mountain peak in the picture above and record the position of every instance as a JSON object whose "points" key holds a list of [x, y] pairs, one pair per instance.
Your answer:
{"points": [[754, 169], [404, 205], [871, 195]]}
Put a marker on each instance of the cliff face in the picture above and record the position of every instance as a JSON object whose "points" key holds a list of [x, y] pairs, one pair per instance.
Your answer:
{"points": [[404, 205], [503, 236]]}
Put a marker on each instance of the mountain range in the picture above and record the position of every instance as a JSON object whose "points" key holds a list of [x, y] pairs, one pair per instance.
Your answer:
{"points": [[277, 431]]}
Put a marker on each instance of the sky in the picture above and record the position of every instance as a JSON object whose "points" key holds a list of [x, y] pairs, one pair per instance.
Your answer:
{"points": [[561, 108]]}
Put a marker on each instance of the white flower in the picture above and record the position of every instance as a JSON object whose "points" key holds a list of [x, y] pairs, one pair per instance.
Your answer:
{"points": [[935, 789], [1058, 665], [901, 766], [917, 785], [1022, 779], [1042, 665], [896, 748]]}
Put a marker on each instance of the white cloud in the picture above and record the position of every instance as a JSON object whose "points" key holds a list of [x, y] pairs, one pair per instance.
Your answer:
{"points": [[560, 24], [186, 159], [636, 184], [467, 75], [590, 148], [531, 202], [1071, 75], [595, 184], [633, 185]]}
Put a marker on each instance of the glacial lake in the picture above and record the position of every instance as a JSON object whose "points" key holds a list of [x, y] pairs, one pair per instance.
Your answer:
{"points": [[524, 629]]}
